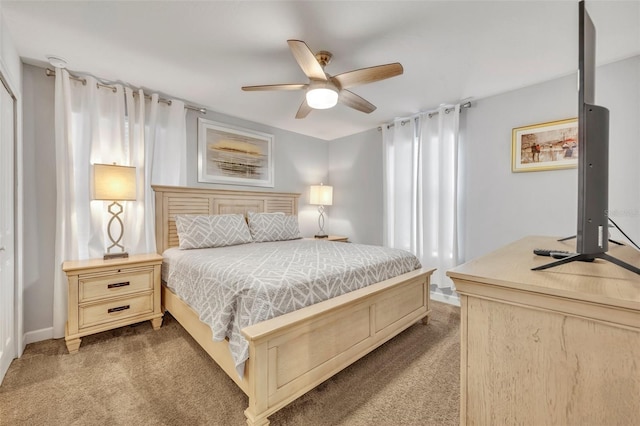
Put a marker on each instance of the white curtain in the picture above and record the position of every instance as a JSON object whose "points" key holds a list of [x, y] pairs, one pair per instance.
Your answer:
{"points": [[102, 125], [158, 140], [421, 188]]}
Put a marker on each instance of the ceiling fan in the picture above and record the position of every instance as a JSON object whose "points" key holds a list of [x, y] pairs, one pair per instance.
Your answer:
{"points": [[324, 91]]}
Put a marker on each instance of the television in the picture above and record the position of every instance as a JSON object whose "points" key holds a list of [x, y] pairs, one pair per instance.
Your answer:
{"points": [[593, 149], [592, 236]]}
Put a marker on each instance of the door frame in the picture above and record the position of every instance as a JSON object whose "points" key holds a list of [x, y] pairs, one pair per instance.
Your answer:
{"points": [[18, 222]]}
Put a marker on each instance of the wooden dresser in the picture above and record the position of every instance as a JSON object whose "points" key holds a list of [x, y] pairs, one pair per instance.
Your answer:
{"points": [[106, 294], [553, 347]]}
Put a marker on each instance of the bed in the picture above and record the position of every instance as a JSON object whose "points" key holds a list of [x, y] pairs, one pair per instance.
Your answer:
{"points": [[290, 354]]}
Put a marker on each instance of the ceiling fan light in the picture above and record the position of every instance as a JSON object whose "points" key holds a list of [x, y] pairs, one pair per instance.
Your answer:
{"points": [[322, 98]]}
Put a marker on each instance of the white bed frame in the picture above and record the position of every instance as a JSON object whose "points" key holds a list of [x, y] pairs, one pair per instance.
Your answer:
{"points": [[293, 353]]}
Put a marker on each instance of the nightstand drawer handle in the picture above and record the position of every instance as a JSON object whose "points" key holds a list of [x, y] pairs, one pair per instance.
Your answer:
{"points": [[114, 285], [119, 308]]}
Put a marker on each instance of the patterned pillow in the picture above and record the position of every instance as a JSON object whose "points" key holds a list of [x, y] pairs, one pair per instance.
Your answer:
{"points": [[273, 227], [198, 231]]}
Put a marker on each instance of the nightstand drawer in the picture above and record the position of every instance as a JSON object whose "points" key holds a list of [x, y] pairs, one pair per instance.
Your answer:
{"points": [[125, 281], [113, 310]]}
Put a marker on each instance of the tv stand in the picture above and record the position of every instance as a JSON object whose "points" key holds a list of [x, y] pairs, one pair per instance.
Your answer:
{"points": [[580, 257], [588, 257]]}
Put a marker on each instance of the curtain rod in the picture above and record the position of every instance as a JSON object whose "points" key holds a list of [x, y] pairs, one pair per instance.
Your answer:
{"points": [[51, 73], [431, 114]]}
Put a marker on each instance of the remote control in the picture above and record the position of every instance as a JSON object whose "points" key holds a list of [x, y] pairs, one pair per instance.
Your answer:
{"points": [[546, 252]]}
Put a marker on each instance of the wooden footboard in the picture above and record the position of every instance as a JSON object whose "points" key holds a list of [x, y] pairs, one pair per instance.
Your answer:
{"points": [[293, 353]]}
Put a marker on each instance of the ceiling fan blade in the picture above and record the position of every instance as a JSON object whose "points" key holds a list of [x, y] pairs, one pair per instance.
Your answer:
{"points": [[354, 101], [304, 109], [368, 75], [307, 60], [275, 87]]}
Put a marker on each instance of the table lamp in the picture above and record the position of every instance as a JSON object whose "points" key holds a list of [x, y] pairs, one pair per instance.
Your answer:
{"points": [[321, 195], [114, 183]]}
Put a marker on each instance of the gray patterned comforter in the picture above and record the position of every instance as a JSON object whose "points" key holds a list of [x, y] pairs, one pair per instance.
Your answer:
{"points": [[237, 286]]}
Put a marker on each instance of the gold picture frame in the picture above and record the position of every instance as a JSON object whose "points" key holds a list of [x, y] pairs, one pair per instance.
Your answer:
{"points": [[545, 146], [233, 155]]}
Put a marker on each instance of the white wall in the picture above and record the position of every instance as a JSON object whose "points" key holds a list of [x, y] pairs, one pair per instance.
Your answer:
{"points": [[299, 162], [619, 90], [355, 171], [501, 206], [39, 201]]}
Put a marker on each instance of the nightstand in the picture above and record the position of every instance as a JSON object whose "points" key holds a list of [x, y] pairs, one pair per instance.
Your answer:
{"points": [[335, 238], [107, 294]]}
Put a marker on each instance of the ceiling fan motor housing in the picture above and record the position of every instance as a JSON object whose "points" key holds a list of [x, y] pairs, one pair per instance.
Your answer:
{"points": [[324, 58]]}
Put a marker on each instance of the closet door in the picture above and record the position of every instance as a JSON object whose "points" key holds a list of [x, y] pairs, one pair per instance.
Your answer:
{"points": [[7, 234]]}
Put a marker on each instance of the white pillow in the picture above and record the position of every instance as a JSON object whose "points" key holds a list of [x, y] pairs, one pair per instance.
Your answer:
{"points": [[273, 227], [199, 231]]}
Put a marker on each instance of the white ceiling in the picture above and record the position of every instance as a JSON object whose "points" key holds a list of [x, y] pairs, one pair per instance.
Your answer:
{"points": [[204, 51]]}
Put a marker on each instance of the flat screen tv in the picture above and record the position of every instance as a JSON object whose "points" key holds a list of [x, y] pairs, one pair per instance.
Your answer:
{"points": [[593, 158]]}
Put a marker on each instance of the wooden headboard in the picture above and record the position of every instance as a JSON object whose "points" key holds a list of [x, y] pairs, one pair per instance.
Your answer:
{"points": [[173, 200]]}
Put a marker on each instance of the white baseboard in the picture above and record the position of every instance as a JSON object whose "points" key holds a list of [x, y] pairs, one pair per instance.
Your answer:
{"points": [[452, 299], [37, 336]]}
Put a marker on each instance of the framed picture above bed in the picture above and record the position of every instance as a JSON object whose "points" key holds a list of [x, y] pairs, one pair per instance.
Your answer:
{"points": [[545, 146], [234, 156]]}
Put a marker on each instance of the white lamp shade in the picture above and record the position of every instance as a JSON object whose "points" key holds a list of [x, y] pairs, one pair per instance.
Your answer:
{"points": [[322, 98], [114, 183], [321, 195]]}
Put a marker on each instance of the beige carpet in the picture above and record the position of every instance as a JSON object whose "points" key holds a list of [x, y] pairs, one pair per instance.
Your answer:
{"points": [[135, 376]]}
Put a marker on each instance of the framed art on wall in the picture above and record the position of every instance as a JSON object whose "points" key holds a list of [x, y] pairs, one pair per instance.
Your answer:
{"points": [[545, 146], [234, 156]]}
